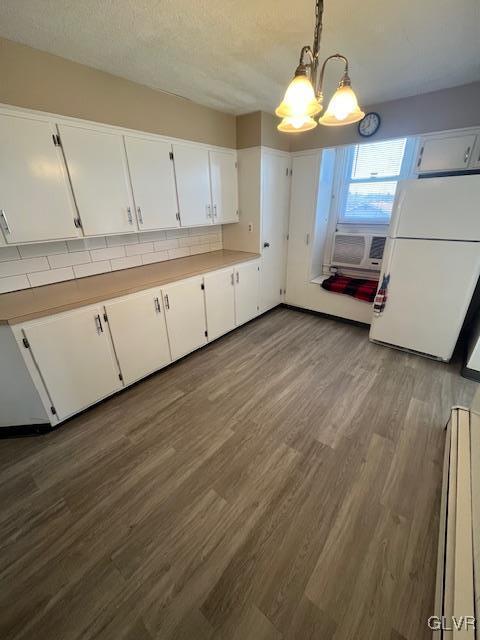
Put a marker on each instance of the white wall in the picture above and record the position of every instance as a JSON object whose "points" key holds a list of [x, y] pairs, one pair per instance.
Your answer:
{"points": [[34, 265]]}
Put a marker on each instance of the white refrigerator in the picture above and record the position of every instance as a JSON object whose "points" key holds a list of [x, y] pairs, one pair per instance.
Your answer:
{"points": [[432, 256]]}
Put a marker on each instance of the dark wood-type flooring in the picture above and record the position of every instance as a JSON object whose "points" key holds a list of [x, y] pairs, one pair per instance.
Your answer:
{"points": [[282, 483]]}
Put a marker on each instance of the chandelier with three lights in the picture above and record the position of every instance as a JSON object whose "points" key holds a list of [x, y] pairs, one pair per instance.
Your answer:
{"points": [[303, 98]]}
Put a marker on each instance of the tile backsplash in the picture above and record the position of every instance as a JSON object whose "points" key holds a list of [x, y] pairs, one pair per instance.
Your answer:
{"points": [[34, 265]]}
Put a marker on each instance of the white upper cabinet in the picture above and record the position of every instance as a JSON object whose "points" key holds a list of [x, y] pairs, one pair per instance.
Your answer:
{"points": [[247, 291], [219, 302], [139, 334], [185, 314], [98, 171], [35, 199], [74, 354], [193, 185], [223, 174], [153, 183], [447, 153]]}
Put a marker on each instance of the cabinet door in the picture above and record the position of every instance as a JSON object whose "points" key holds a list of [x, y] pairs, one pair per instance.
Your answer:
{"points": [[223, 175], [219, 302], [98, 170], [185, 315], [445, 154], [246, 291], [139, 334], [35, 198], [153, 183], [75, 357], [193, 185], [275, 209]]}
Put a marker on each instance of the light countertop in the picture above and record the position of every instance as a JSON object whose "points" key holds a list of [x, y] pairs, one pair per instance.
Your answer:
{"points": [[20, 306]]}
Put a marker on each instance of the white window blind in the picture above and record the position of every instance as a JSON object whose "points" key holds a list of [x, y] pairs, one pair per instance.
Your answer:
{"points": [[371, 174]]}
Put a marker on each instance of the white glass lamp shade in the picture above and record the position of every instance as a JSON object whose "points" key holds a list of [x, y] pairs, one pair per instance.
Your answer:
{"points": [[342, 109], [296, 124], [299, 100]]}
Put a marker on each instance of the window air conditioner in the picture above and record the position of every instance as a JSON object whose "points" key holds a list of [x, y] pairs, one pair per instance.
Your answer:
{"points": [[359, 250]]}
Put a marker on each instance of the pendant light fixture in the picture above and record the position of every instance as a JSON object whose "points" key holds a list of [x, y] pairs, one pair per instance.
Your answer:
{"points": [[304, 98]]}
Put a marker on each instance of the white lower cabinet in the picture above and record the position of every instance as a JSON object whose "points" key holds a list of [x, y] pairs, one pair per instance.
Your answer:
{"points": [[139, 333], [75, 358], [185, 315], [247, 291], [220, 302]]}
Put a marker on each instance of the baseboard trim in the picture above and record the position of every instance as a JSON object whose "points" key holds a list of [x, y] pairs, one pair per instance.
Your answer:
{"points": [[26, 430], [470, 374]]}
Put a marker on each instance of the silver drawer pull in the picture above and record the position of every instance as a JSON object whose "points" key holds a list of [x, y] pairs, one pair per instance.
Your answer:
{"points": [[140, 216], [214, 210], [238, 277], [3, 215], [157, 305], [467, 155], [167, 302], [98, 323], [231, 278], [129, 215]]}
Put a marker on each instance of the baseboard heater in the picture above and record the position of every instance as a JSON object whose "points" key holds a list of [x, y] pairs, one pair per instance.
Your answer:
{"points": [[457, 598]]}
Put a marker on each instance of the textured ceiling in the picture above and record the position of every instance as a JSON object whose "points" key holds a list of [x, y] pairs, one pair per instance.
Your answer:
{"points": [[238, 56]]}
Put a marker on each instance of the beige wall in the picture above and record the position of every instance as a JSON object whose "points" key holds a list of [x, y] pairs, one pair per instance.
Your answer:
{"points": [[38, 80], [452, 108], [249, 130], [260, 129], [271, 136]]}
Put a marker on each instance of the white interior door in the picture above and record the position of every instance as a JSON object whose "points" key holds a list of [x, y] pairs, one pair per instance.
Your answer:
{"points": [[35, 198], [303, 200], [193, 185], [75, 357], [219, 302], [431, 285], [223, 174], [445, 154], [98, 170], [247, 291], [444, 208], [185, 315], [153, 183], [139, 334], [275, 207]]}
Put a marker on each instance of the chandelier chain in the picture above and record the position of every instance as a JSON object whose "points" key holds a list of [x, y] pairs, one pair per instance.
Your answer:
{"points": [[318, 27]]}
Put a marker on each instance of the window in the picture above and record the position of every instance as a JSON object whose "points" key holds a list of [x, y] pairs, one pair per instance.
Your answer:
{"points": [[371, 173]]}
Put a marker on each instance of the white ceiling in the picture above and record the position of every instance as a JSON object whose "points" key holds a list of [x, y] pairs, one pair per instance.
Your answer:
{"points": [[238, 55]]}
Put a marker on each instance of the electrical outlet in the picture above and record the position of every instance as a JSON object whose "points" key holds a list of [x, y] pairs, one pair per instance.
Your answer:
{"points": [[250, 227]]}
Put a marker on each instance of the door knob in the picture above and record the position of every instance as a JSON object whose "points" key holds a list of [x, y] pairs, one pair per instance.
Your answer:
{"points": [[266, 245]]}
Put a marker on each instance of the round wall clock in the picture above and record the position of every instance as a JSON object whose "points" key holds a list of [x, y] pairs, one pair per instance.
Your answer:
{"points": [[369, 124]]}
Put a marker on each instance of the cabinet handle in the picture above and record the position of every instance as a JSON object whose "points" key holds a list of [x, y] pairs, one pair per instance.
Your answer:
{"points": [[214, 210], [98, 322], [231, 278], [6, 228], [467, 155], [140, 216], [167, 303], [420, 155], [209, 213], [307, 239], [129, 215], [157, 305], [238, 277]]}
